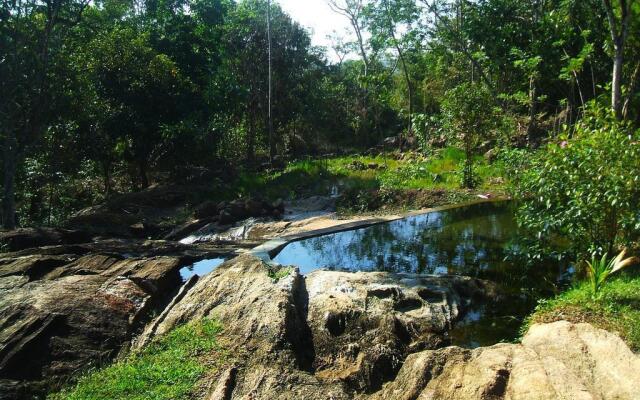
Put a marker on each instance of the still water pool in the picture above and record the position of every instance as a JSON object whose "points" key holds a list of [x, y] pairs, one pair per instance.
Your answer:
{"points": [[480, 240]]}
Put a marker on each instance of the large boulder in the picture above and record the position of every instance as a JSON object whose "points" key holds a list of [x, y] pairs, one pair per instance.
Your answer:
{"points": [[59, 315], [331, 334], [555, 361], [265, 329], [365, 324]]}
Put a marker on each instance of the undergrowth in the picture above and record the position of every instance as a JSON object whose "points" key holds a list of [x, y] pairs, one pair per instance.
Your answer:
{"points": [[167, 369], [440, 171]]}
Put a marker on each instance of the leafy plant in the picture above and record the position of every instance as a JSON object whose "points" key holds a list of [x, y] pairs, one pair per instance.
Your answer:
{"points": [[585, 187], [468, 119], [277, 273], [598, 270]]}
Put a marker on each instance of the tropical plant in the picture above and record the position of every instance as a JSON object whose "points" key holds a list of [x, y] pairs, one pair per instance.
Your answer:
{"points": [[598, 270]]}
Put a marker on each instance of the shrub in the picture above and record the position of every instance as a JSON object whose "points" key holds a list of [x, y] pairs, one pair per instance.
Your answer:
{"points": [[586, 187], [468, 119]]}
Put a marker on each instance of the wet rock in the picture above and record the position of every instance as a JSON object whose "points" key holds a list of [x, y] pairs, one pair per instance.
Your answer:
{"points": [[26, 238], [365, 324], [554, 361], [60, 316]]}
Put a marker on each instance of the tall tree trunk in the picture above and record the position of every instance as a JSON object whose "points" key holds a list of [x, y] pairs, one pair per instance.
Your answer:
{"points": [[619, 29], [407, 78], [272, 145], [531, 128], [632, 88], [142, 170], [251, 147], [106, 175], [616, 82], [8, 196]]}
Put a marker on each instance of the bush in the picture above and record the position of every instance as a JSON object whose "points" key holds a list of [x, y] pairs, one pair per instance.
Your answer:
{"points": [[468, 119], [586, 188]]}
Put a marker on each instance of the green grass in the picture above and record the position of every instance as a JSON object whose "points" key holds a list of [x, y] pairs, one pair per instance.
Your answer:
{"points": [[167, 369], [442, 170], [616, 308]]}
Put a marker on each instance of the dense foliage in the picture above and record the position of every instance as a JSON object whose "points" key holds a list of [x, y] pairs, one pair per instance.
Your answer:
{"points": [[109, 96], [586, 187]]}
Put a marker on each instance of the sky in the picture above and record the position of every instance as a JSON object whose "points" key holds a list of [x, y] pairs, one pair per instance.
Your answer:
{"points": [[316, 15]]}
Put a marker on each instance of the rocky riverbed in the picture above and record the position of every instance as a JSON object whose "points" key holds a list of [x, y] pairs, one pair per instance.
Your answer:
{"points": [[329, 335]]}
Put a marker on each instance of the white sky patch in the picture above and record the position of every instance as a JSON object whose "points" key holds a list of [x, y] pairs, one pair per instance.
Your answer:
{"points": [[320, 19]]}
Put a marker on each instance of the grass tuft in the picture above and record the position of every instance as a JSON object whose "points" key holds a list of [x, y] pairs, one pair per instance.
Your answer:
{"points": [[167, 369], [616, 309]]}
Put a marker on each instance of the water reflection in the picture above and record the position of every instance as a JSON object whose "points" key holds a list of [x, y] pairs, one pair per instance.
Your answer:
{"points": [[201, 268], [479, 241]]}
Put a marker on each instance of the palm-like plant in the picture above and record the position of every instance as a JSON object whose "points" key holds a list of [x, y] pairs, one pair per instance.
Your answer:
{"points": [[599, 270]]}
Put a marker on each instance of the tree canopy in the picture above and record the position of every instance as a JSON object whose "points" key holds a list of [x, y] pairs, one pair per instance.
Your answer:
{"points": [[110, 96]]}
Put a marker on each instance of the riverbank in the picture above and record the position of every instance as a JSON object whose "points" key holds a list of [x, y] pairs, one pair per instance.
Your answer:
{"points": [[616, 309], [130, 286], [344, 336]]}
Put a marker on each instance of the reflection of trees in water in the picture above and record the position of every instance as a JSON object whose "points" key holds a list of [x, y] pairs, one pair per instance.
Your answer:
{"points": [[473, 241], [464, 241]]}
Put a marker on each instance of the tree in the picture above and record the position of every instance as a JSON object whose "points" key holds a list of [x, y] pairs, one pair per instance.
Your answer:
{"points": [[468, 117], [354, 11], [146, 92], [386, 18], [583, 187], [619, 22], [32, 31]]}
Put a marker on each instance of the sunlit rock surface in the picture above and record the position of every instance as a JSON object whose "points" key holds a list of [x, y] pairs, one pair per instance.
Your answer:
{"points": [[337, 333], [555, 361]]}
